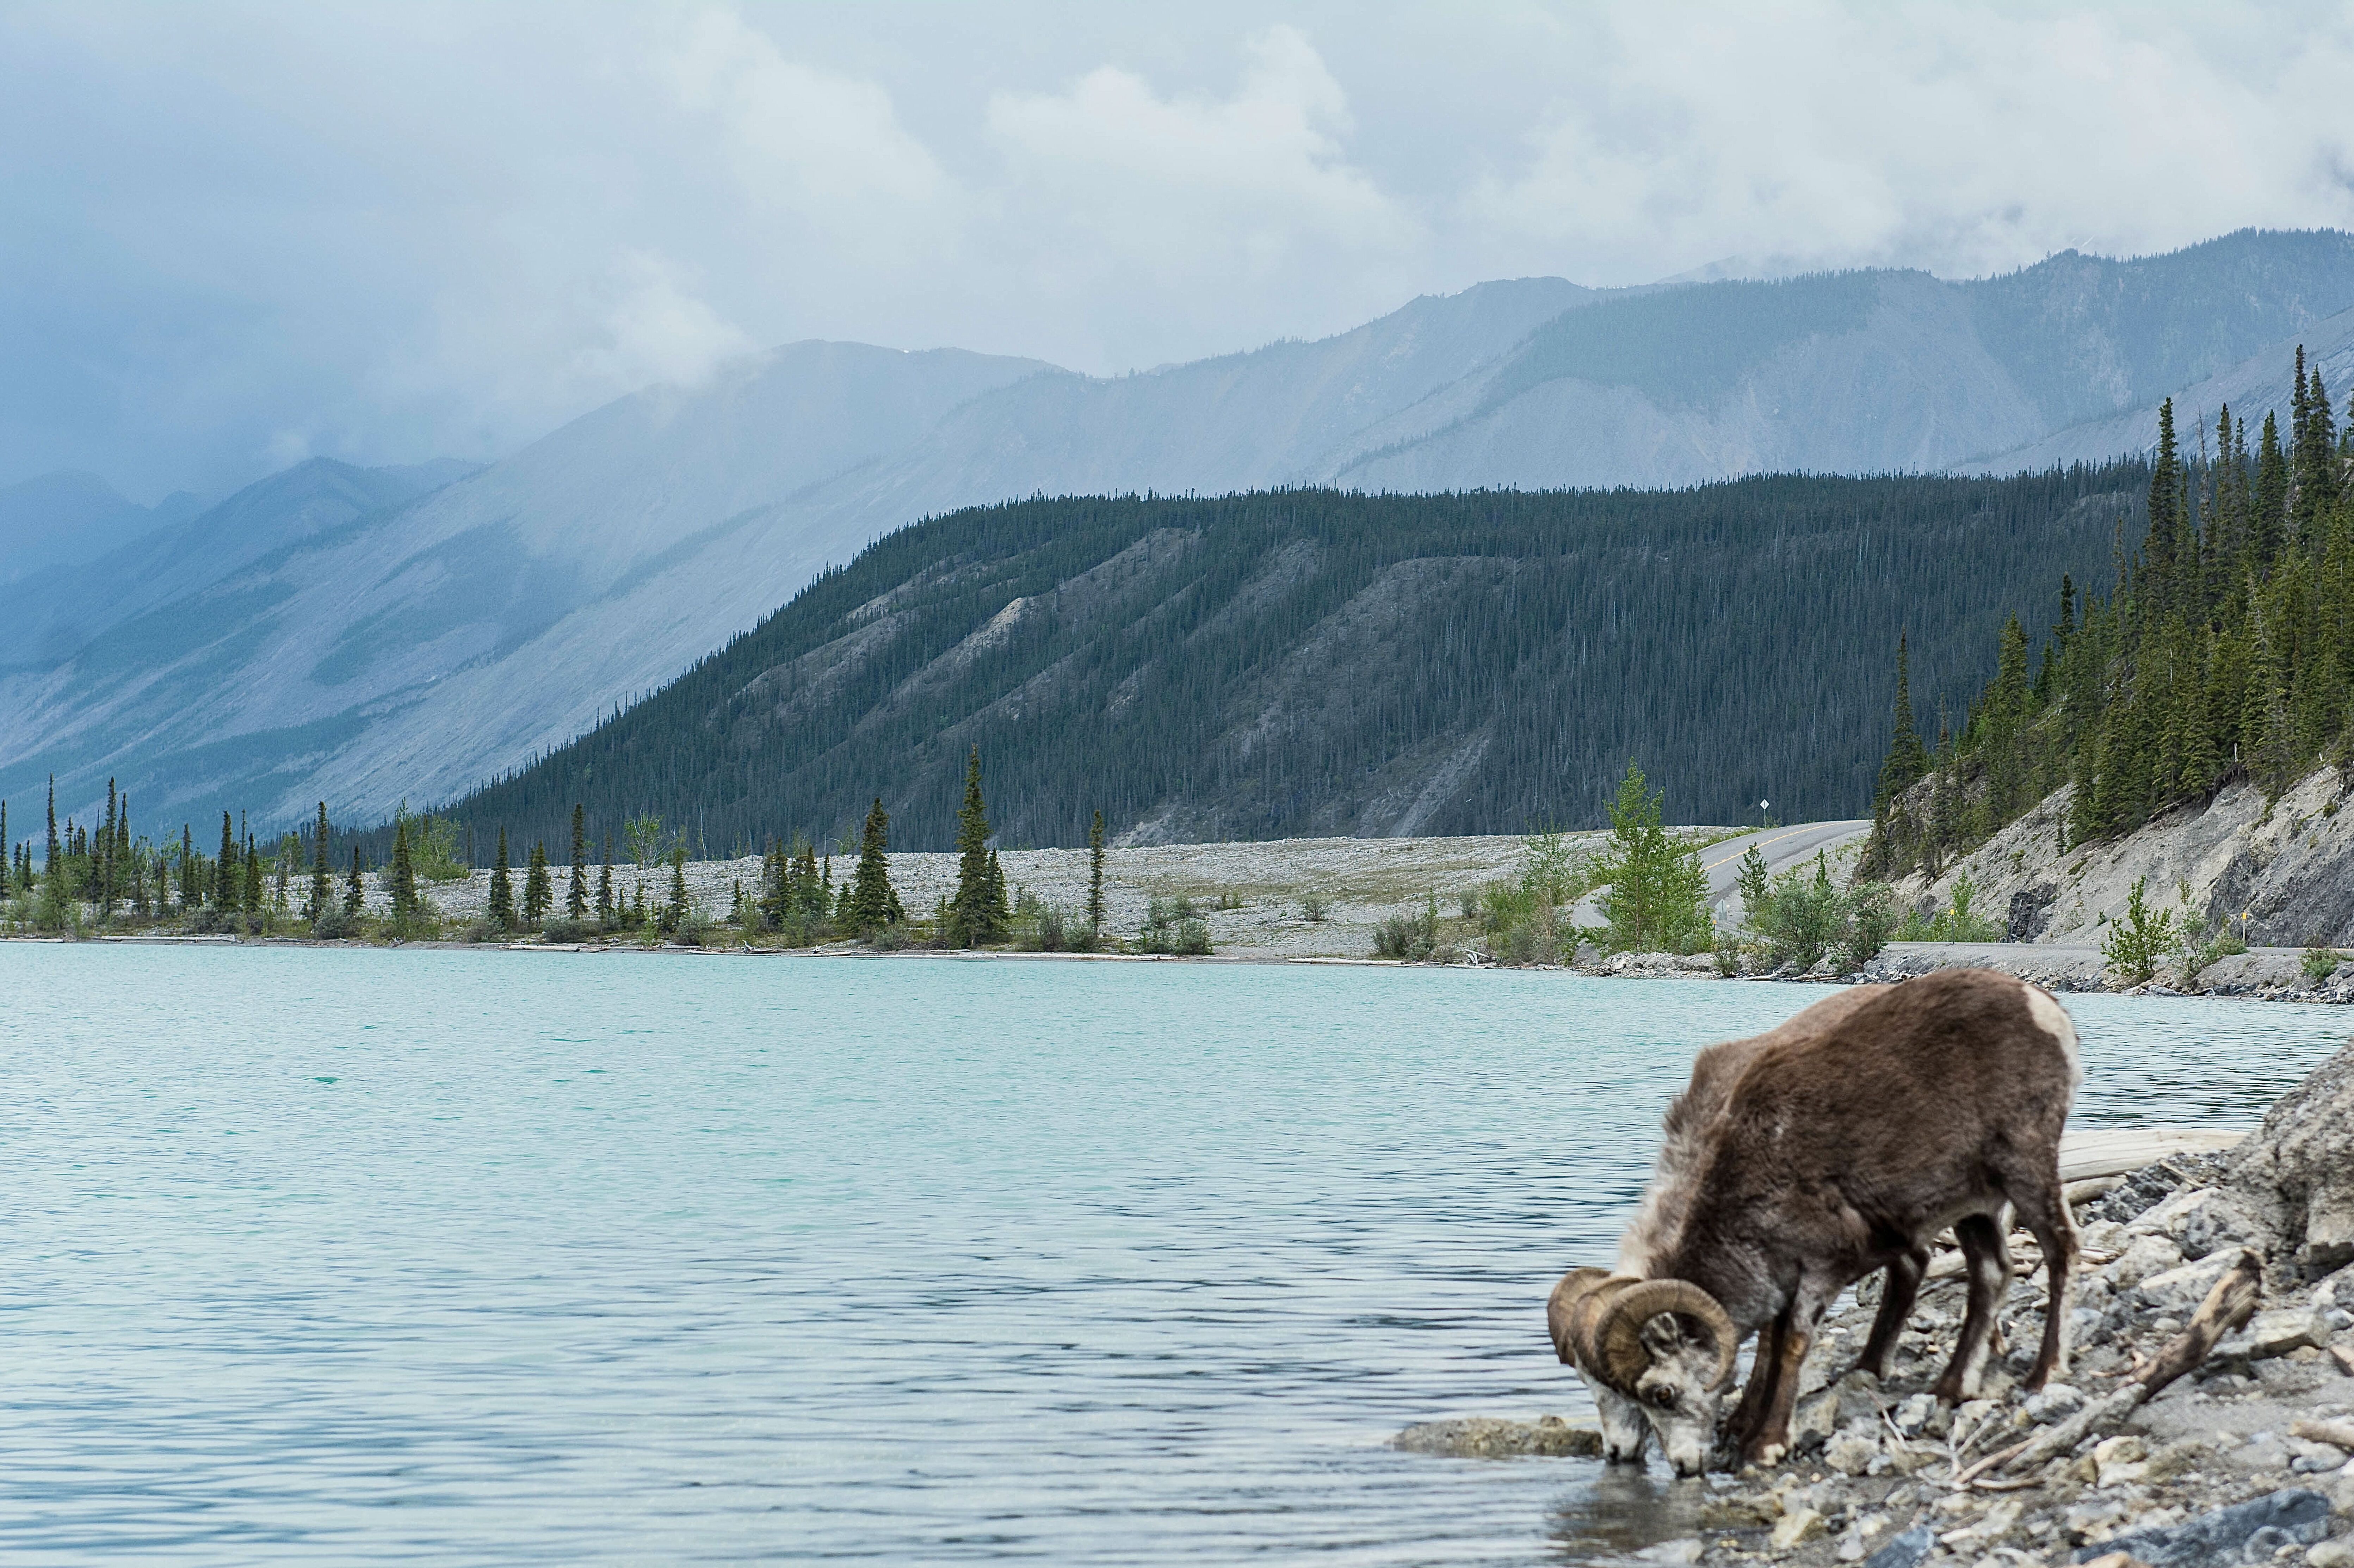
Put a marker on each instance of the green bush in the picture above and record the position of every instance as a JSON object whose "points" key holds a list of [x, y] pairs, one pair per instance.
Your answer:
{"points": [[1957, 922], [1412, 937], [2320, 963], [1314, 907], [1659, 890], [1522, 916], [2136, 943]]}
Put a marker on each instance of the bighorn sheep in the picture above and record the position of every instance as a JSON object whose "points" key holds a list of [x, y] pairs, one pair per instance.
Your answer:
{"points": [[1802, 1160]]}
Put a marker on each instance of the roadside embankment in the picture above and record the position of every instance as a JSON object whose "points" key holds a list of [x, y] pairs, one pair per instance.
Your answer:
{"points": [[2278, 872]]}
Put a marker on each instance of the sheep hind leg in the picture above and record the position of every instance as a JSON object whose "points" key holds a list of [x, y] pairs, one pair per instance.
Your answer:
{"points": [[1898, 1291], [1988, 1257], [2044, 1212]]}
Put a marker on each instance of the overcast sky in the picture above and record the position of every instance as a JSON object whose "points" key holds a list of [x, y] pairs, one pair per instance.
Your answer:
{"points": [[231, 235]]}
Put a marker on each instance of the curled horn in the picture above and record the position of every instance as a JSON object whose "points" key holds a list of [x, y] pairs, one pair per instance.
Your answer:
{"points": [[1562, 1307], [1616, 1333]]}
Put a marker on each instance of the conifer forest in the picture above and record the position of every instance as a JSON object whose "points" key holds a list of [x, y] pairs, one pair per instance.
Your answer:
{"points": [[2224, 649]]}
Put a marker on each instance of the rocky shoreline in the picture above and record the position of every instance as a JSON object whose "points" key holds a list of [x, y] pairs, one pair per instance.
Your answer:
{"points": [[2225, 1279]]}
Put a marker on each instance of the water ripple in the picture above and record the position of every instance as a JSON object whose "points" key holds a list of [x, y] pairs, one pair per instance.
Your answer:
{"points": [[372, 1256]]}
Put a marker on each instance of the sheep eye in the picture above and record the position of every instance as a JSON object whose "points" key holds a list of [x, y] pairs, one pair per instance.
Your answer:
{"points": [[1665, 1398]]}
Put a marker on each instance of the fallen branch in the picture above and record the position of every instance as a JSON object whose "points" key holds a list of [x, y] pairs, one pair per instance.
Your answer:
{"points": [[2231, 1303], [2337, 1434]]}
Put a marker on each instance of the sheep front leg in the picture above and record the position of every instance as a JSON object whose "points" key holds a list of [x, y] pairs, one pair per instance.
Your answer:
{"points": [[1771, 1441], [1758, 1393]]}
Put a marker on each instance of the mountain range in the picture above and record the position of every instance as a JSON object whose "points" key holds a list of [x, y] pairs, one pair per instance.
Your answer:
{"points": [[373, 635]]}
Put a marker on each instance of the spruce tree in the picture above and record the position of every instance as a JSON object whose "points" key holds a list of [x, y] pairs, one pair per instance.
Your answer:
{"points": [[1907, 760], [605, 886], [675, 916], [192, 884], [322, 883], [355, 891], [252, 899], [538, 890], [873, 902], [404, 874], [226, 868], [575, 901], [503, 909], [49, 867], [973, 916], [1095, 873]]}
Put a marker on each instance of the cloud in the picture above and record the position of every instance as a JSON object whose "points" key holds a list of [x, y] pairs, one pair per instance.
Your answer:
{"points": [[655, 331], [387, 232], [1963, 138], [1182, 184], [828, 148]]}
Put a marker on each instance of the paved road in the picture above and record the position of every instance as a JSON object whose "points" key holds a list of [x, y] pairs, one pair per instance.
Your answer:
{"points": [[1782, 847]]}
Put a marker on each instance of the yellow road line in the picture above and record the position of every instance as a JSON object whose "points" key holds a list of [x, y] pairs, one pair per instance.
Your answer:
{"points": [[1761, 843]]}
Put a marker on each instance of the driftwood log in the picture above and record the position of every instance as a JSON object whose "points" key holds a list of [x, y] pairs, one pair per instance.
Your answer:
{"points": [[2231, 1303]]}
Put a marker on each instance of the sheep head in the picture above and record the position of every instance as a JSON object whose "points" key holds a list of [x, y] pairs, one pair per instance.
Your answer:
{"points": [[1666, 1345]]}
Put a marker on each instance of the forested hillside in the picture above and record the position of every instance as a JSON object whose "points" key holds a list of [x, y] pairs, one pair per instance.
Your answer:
{"points": [[2225, 651], [1306, 661]]}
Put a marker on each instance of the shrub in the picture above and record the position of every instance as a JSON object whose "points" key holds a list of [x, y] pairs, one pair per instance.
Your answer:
{"points": [[1957, 922], [1314, 907], [2319, 963], [1659, 890], [1157, 934], [1869, 919], [2136, 943], [561, 930], [1193, 939], [336, 924], [1414, 937]]}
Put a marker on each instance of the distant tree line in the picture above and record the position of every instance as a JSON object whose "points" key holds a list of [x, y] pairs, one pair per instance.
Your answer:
{"points": [[1308, 662], [2225, 651]]}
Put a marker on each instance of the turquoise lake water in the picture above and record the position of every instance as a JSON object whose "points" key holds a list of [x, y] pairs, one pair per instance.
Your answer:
{"points": [[341, 1256]]}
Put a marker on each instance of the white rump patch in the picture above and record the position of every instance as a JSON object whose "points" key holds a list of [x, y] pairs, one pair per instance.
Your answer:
{"points": [[2053, 1020]]}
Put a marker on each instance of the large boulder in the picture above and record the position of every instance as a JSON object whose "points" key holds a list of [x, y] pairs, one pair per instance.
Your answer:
{"points": [[2297, 1175]]}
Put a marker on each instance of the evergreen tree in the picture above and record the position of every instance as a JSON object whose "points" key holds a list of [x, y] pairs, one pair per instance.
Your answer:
{"points": [[576, 901], [1907, 760], [503, 909], [538, 891], [1658, 889], [226, 868], [321, 881], [49, 866], [675, 914], [605, 886], [192, 877], [252, 894], [354, 891], [1095, 873], [404, 874], [2269, 526], [973, 917], [872, 903]]}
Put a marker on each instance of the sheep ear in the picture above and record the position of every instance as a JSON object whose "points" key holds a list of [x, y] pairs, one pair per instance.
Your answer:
{"points": [[1663, 1336]]}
